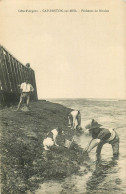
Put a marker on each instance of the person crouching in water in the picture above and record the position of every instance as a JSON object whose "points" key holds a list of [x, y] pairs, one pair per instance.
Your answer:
{"points": [[73, 118], [100, 136], [26, 89]]}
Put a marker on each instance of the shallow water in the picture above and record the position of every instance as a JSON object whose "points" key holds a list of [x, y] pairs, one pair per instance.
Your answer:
{"points": [[106, 175]]}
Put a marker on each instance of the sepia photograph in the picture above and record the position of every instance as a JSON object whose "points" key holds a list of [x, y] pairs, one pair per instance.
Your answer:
{"points": [[63, 97]]}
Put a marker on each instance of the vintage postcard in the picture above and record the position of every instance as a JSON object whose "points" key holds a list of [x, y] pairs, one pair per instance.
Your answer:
{"points": [[63, 96]]}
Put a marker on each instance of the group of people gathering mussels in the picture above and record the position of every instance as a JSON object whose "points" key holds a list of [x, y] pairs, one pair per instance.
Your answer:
{"points": [[100, 135]]}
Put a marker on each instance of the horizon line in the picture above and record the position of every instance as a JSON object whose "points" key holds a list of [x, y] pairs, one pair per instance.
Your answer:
{"points": [[81, 98]]}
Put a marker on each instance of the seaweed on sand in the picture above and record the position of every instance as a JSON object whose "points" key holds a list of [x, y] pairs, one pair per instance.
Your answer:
{"points": [[24, 164]]}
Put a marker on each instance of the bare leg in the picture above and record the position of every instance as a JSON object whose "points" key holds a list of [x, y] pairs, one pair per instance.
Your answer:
{"points": [[74, 121], [79, 120], [28, 100], [20, 103]]}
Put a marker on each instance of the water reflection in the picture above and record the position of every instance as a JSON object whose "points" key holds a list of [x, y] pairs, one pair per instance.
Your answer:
{"points": [[102, 170], [106, 175]]}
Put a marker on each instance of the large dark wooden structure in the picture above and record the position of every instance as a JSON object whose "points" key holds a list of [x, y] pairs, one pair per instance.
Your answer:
{"points": [[12, 74]]}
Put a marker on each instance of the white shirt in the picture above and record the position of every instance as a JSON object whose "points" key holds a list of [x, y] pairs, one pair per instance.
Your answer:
{"points": [[26, 87], [112, 134]]}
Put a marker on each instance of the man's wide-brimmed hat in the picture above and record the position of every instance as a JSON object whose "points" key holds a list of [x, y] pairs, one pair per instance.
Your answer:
{"points": [[93, 125]]}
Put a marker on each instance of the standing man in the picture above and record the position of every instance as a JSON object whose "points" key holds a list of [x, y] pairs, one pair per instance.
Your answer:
{"points": [[26, 89], [100, 136]]}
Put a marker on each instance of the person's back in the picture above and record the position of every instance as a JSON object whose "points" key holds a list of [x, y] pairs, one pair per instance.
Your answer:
{"points": [[102, 136]]}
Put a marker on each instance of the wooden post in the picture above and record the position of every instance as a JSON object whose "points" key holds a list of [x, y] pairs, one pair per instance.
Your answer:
{"points": [[13, 73], [2, 74], [7, 72]]}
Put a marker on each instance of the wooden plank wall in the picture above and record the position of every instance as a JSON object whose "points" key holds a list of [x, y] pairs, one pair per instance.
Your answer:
{"points": [[12, 74]]}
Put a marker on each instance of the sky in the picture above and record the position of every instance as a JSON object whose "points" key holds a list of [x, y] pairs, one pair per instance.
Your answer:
{"points": [[74, 54]]}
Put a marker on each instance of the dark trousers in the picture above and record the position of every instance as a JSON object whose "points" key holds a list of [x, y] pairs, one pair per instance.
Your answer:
{"points": [[114, 143]]}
